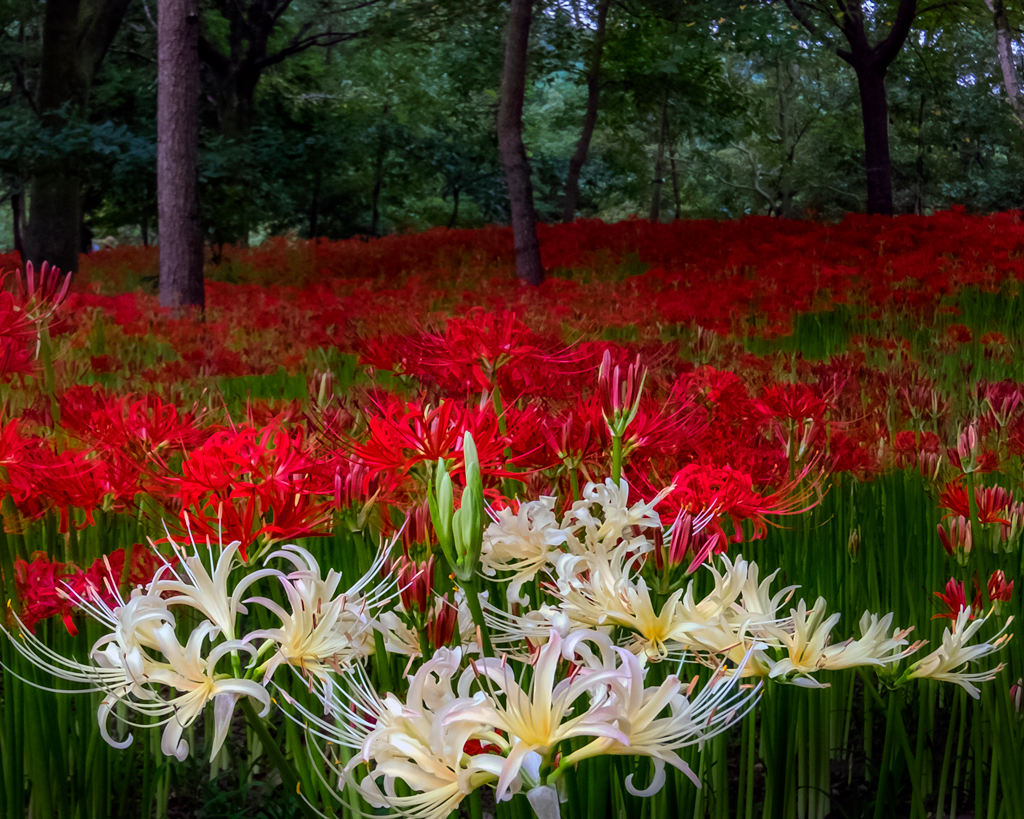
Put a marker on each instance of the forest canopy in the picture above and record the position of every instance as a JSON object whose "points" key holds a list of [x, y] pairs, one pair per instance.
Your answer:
{"points": [[334, 118]]}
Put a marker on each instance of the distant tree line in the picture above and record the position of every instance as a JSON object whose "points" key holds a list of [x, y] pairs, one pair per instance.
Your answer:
{"points": [[336, 118]]}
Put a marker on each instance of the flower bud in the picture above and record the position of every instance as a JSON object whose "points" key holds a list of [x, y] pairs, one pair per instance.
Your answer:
{"points": [[1017, 696], [853, 544], [441, 501], [468, 521]]}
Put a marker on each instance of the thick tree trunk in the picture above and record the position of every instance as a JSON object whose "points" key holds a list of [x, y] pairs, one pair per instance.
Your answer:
{"points": [[181, 243], [513, 151], [1004, 48], [579, 157], [76, 36], [875, 117]]}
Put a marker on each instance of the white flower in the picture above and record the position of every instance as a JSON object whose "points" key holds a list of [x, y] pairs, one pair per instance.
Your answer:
{"points": [[323, 630], [954, 653], [537, 719], [205, 590], [421, 742], [522, 543], [614, 515], [650, 732]]}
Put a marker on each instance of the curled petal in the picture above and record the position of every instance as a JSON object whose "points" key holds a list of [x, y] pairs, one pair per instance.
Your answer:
{"points": [[657, 782], [102, 713]]}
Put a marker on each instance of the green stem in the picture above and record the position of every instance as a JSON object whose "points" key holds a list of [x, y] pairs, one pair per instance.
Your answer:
{"points": [[616, 458], [476, 610]]}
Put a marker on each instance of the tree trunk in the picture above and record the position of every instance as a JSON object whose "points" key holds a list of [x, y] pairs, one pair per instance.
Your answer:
{"points": [[659, 164], [579, 157], [786, 80], [1004, 48], [513, 151], [378, 176], [76, 36], [314, 207], [875, 116], [181, 242], [455, 209], [17, 221], [675, 181], [870, 62]]}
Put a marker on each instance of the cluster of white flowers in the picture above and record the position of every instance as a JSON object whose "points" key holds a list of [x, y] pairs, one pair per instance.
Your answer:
{"points": [[461, 727], [600, 619], [592, 563], [142, 665]]}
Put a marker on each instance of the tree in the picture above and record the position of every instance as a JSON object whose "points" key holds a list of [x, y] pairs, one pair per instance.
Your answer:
{"points": [[870, 63], [76, 36], [579, 157], [181, 240], [513, 150], [1004, 49]]}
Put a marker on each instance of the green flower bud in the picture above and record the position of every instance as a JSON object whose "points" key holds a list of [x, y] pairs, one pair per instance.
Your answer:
{"points": [[441, 501]]}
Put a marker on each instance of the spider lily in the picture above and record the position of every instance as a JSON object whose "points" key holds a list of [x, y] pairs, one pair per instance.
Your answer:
{"points": [[954, 654]]}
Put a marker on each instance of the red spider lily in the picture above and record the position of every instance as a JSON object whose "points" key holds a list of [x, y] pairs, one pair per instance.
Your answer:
{"points": [[998, 589], [1003, 398], [731, 494], [620, 393], [574, 439], [66, 480], [41, 295], [923, 400], [441, 624], [791, 402], [406, 434], [689, 537], [271, 463], [992, 501], [249, 519], [143, 426], [955, 537], [955, 600], [40, 590], [48, 588], [925, 455], [415, 583]]}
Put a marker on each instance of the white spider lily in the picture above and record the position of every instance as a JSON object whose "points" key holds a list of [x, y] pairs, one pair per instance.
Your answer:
{"points": [[205, 590], [140, 681], [648, 733], [615, 516], [810, 651], [416, 742], [954, 653], [323, 630], [537, 719], [522, 543], [195, 678]]}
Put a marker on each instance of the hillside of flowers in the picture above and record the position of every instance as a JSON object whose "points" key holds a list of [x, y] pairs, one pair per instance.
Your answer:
{"points": [[723, 520]]}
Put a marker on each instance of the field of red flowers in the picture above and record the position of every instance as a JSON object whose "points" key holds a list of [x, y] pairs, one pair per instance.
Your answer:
{"points": [[841, 402]]}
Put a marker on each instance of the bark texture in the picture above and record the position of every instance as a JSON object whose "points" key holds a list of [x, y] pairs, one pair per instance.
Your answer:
{"points": [[76, 36], [1004, 49], [579, 157], [181, 241], [513, 151]]}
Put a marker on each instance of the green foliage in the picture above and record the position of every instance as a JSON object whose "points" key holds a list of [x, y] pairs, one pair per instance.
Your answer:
{"points": [[393, 129]]}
